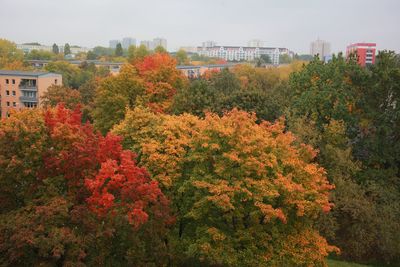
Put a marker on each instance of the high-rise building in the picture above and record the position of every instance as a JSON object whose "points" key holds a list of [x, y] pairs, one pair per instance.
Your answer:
{"points": [[365, 52], [160, 42], [113, 43], [255, 43], [320, 48], [148, 44], [127, 42], [24, 89]]}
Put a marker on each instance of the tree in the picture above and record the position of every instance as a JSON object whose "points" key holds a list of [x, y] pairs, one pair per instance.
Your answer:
{"points": [[160, 49], [245, 193], [103, 51], [118, 50], [91, 55], [348, 112], [69, 72], [162, 80], [141, 52], [80, 199], [132, 53], [285, 59], [9, 54], [266, 59], [40, 55], [67, 49], [113, 95], [262, 91], [181, 57], [57, 94], [56, 49]]}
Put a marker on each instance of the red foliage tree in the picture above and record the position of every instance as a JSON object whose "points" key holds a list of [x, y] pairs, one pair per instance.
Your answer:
{"points": [[78, 151]]}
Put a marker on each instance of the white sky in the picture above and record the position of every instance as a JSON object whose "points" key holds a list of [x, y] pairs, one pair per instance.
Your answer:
{"points": [[286, 23]]}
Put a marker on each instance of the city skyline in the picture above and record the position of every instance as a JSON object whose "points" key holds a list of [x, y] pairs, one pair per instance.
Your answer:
{"points": [[291, 24]]}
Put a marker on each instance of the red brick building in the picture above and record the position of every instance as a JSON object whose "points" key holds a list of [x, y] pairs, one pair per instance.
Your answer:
{"points": [[365, 52]]}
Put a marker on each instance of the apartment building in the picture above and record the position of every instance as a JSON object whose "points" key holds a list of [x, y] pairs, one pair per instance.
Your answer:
{"points": [[243, 53], [321, 48], [365, 52], [113, 43], [27, 48], [127, 42], [24, 89], [160, 42]]}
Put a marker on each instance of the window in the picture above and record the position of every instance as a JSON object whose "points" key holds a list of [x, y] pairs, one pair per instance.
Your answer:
{"points": [[7, 92], [55, 81], [14, 104], [8, 104], [30, 104], [7, 81], [13, 93], [13, 81]]}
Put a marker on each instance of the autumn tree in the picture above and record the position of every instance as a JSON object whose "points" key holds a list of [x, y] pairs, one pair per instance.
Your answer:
{"points": [[245, 194], [348, 113], [160, 49], [181, 57], [113, 95], [141, 52], [9, 54], [254, 90], [56, 94], [70, 196]]}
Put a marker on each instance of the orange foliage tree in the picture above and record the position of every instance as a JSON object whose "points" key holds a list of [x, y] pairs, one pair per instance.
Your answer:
{"points": [[162, 80], [245, 194]]}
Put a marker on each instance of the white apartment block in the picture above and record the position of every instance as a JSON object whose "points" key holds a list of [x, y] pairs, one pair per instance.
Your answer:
{"points": [[49, 48], [27, 48], [243, 53]]}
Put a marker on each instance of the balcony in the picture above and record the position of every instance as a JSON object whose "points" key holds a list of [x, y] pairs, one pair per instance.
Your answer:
{"points": [[28, 87], [28, 99]]}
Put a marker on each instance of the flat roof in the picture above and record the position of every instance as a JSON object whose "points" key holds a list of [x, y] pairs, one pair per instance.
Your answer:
{"points": [[27, 73]]}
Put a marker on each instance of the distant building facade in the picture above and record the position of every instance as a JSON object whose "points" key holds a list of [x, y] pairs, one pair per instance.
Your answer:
{"points": [[27, 48], [365, 52], [243, 53], [127, 42], [321, 48], [160, 42], [22, 89], [148, 44]]}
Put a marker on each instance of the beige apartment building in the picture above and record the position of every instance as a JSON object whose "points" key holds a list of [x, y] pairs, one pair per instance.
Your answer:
{"points": [[24, 89]]}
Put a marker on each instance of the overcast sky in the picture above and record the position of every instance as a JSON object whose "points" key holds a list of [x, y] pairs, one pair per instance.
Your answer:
{"points": [[285, 23]]}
